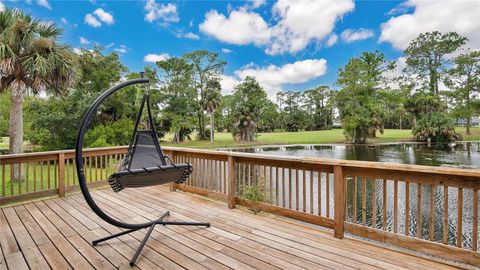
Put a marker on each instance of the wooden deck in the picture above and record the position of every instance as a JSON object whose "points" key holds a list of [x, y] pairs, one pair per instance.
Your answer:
{"points": [[56, 233]]}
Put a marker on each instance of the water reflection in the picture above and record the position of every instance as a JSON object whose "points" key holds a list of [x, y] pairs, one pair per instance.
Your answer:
{"points": [[463, 154]]}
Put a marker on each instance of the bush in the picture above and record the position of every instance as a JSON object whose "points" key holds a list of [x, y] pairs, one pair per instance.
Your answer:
{"points": [[114, 134], [437, 128]]}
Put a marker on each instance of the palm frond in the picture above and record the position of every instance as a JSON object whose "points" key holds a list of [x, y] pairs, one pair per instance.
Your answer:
{"points": [[49, 30]]}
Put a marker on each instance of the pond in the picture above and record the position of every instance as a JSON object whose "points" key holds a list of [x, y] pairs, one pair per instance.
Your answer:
{"points": [[462, 155]]}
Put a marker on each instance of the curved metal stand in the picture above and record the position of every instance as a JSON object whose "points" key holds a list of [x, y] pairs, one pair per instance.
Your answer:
{"points": [[131, 227]]}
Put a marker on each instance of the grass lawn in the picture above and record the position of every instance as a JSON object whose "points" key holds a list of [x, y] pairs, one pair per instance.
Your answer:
{"points": [[4, 141], [43, 176]]}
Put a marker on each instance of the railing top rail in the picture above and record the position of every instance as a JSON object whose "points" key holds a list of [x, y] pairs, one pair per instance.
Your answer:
{"points": [[280, 158], [340, 162]]}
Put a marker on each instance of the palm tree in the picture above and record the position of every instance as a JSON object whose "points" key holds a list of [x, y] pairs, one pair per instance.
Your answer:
{"points": [[31, 61], [212, 98]]}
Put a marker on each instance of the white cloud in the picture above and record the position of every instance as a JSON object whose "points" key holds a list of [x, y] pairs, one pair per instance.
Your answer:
{"points": [[84, 41], [350, 35], [228, 83], [122, 49], [153, 58], [332, 39], [241, 27], [225, 50], [104, 16], [165, 13], [92, 21], [44, 3], [109, 45], [444, 16], [2, 6], [77, 50], [64, 20], [188, 35], [296, 25], [258, 3], [272, 78], [302, 22]]}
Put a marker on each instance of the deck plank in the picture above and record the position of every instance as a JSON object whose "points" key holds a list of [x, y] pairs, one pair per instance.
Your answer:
{"points": [[28, 247], [57, 233]]}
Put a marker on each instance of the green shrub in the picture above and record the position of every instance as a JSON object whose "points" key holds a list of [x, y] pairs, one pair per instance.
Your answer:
{"points": [[437, 128]]}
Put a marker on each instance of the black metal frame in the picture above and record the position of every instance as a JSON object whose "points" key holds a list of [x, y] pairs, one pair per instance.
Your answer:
{"points": [[131, 227]]}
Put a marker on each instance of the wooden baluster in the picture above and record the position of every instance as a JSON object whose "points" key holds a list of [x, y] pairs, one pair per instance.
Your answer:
{"points": [[249, 175], [265, 183], [374, 202], [67, 172], [283, 187], [407, 208], [319, 192], [4, 182], [75, 178], [271, 184], [311, 191], [419, 210], [304, 189], [290, 187], [328, 194], [395, 206], [354, 198], [96, 168], [231, 182], [297, 191], [48, 174], [339, 201], [445, 215], [55, 173], [475, 220], [460, 217], [11, 178], [61, 174], [384, 205], [258, 175], [19, 169], [364, 200], [41, 175], [432, 208], [244, 175], [34, 176], [219, 176], [90, 168], [27, 180], [277, 178], [195, 172]]}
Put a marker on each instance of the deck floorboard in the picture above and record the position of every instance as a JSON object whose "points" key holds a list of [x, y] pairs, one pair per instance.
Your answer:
{"points": [[57, 233]]}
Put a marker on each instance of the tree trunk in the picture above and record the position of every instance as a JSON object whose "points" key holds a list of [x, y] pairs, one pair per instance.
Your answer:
{"points": [[211, 127], [16, 129], [468, 125]]}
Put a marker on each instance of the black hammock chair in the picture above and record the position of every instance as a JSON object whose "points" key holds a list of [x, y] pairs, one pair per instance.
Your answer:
{"points": [[144, 165]]}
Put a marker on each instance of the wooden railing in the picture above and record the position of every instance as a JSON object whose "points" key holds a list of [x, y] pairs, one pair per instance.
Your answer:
{"points": [[429, 209]]}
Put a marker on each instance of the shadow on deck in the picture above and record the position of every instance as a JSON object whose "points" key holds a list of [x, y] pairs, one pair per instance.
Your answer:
{"points": [[56, 233]]}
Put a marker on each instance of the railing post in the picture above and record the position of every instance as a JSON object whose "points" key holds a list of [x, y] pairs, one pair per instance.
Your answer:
{"points": [[172, 184], [61, 175], [339, 200], [231, 182]]}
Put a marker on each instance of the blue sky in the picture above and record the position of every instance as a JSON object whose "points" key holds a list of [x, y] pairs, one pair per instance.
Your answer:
{"points": [[287, 45]]}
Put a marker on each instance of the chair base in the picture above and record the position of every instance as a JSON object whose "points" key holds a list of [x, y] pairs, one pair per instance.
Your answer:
{"points": [[159, 221]]}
